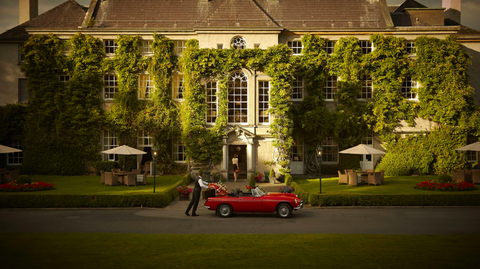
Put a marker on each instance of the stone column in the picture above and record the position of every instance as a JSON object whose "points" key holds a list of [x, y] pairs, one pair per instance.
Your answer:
{"points": [[225, 158]]}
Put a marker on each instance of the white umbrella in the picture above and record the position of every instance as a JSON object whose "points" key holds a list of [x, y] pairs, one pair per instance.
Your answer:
{"points": [[473, 147], [362, 149], [5, 149], [124, 150]]}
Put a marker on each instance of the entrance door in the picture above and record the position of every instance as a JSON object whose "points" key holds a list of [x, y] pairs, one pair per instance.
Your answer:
{"points": [[367, 162], [241, 151]]}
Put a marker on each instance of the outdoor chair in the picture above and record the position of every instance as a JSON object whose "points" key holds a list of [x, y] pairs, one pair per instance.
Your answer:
{"points": [[468, 176], [374, 178], [116, 170], [144, 179], [352, 178], [342, 178], [348, 171], [138, 171], [382, 177], [110, 179], [461, 174], [130, 179], [102, 179], [12, 176], [475, 176]]}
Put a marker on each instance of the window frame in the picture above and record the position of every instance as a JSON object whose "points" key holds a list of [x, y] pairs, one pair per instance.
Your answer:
{"points": [[114, 87], [406, 90], [212, 102], [330, 46], [366, 91], [178, 87], [110, 49], [146, 86], [293, 45], [233, 102], [179, 46], [300, 88], [263, 105], [143, 137], [298, 150], [15, 158], [334, 87], [111, 137], [366, 46], [146, 48], [410, 47], [238, 42], [327, 144], [178, 150]]}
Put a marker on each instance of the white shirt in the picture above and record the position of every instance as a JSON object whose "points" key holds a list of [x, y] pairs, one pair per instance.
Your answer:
{"points": [[202, 183]]}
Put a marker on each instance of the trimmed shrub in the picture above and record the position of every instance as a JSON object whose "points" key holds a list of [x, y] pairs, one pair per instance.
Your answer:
{"points": [[272, 173], [105, 166], [24, 179], [288, 179], [252, 182], [444, 179]]}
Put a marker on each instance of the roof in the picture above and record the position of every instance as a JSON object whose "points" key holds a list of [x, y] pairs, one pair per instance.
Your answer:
{"points": [[66, 16], [261, 14], [408, 4]]}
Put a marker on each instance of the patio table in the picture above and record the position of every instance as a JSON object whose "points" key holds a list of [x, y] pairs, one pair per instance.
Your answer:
{"points": [[121, 176]]}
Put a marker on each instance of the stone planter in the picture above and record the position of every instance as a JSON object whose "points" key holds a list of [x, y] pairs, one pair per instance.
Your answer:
{"points": [[182, 198]]}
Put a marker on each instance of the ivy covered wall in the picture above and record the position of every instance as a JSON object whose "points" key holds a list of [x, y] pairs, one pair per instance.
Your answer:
{"points": [[65, 122]]}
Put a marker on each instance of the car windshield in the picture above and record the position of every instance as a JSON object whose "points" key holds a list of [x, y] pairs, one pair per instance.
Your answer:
{"points": [[259, 191]]}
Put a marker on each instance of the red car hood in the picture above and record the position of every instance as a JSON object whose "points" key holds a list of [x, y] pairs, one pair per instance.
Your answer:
{"points": [[281, 194]]}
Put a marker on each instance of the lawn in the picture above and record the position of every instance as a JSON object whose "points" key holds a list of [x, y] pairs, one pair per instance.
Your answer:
{"points": [[90, 185], [113, 250], [393, 185]]}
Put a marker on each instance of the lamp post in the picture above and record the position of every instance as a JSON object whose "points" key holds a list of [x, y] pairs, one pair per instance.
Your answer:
{"points": [[154, 153], [319, 155]]}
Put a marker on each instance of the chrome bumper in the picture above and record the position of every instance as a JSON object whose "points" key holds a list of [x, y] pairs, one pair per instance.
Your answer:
{"points": [[300, 206]]}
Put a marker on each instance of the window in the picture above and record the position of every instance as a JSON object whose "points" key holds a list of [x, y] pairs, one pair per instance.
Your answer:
{"points": [[145, 86], [144, 140], [330, 88], [366, 46], [263, 98], [178, 150], [330, 47], [408, 89], [66, 47], [109, 140], [23, 94], [21, 56], [219, 46], [147, 47], [295, 46], [64, 78], [110, 46], [368, 139], [211, 102], [110, 86], [472, 156], [297, 150], [367, 88], [297, 89], [410, 47], [237, 98], [15, 158], [178, 87], [330, 151], [179, 46], [239, 42]]}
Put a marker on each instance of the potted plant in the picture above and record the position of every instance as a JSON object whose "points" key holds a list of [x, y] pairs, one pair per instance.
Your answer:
{"points": [[184, 192], [258, 176]]}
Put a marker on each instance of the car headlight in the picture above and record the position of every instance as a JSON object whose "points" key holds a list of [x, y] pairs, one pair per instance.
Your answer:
{"points": [[296, 201]]}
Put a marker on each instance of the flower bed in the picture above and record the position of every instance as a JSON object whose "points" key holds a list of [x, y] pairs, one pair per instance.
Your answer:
{"points": [[431, 185], [184, 190], [34, 186], [258, 176]]}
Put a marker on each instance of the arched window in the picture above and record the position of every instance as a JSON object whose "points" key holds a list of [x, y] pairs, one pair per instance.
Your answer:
{"points": [[239, 42], [238, 98]]}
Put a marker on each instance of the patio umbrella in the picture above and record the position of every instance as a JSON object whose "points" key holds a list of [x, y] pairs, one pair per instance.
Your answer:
{"points": [[5, 149], [473, 147], [362, 149], [124, 150]]}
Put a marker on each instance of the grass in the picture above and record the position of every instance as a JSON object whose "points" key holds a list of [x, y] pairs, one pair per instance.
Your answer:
{"points": [[67, 250], [393, 185], [90, 185]]}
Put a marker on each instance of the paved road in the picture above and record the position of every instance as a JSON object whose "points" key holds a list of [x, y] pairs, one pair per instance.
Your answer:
{"points": [[391, 220]]}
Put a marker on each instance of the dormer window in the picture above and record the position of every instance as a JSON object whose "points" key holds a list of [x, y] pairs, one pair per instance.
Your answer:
{"points": [[239, 42]]}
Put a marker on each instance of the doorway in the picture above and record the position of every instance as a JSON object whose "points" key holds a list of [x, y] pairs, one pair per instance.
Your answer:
{"points": [[241, 151]]}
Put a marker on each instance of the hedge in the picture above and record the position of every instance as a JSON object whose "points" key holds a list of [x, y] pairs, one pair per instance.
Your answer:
{"points": [[161, 199], [386, 200]]}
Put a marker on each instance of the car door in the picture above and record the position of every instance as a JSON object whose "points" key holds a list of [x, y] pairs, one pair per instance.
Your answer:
{"points": [[249, 204]]}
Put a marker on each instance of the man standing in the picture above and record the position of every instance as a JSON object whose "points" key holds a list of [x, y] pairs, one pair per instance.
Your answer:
{"points": [[199, 184]]}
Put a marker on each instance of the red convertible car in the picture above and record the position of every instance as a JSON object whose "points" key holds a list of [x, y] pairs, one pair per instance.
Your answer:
{"points": [[256, 201]]}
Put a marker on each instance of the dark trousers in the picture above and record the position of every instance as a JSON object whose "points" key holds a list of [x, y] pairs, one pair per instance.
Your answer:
{"points": [[194, 202]]}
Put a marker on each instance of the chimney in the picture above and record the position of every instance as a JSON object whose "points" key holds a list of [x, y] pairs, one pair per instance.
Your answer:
{"points": [[453, 9], [27, 10]]}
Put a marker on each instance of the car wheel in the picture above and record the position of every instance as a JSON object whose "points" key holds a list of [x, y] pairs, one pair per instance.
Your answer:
{"points": [[284, 210], [225, 210]]}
